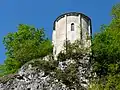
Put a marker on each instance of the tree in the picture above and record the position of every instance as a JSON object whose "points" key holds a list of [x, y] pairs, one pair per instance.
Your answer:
{"points": [[24, 45], [106, 52]]}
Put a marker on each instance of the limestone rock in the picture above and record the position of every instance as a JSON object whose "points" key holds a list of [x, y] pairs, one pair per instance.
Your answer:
{"points": [[32, 78]]}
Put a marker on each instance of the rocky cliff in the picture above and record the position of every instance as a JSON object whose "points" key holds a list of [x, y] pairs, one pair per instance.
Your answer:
{"points": [[32, 77]]}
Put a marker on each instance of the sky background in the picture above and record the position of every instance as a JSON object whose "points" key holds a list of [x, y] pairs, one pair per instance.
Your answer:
{"points": [[42, 13]]}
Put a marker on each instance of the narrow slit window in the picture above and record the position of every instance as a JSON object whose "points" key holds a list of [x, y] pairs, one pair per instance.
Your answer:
{"points": [[72, 27]]}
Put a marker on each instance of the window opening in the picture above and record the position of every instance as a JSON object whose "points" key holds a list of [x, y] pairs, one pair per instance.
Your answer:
{"points": [[72, 27]]}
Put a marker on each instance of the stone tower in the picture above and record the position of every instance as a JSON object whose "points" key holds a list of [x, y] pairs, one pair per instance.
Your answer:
{"points": [[71, 26]]}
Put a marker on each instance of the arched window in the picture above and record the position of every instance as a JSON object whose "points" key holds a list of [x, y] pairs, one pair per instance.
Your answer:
{"points": [[72, 27]]}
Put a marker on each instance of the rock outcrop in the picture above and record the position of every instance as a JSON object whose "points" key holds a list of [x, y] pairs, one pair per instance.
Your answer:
{"points": [[31, 77]]}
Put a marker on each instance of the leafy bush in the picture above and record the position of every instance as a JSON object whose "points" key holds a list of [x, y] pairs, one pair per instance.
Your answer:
{"points": [[106, 53], [24, 45]]}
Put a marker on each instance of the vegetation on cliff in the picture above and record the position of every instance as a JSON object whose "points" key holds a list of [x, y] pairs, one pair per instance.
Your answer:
{"points": [[30, 43]]}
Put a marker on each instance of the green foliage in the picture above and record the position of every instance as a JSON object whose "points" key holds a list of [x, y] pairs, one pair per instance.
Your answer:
{"points": [[30, 43], [110, 82], [46, 66], [106, 45], [7, 78], [24, 45], [74, 51], [96, 86], [116, 11], [69, 76], [106, 53]]}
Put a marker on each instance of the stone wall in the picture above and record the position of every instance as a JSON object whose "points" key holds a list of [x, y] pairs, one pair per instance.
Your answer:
{"points": [[62, 30]]}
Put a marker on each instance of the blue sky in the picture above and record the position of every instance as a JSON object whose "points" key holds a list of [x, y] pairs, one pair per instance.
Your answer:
{"points": [[42, 13]]}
